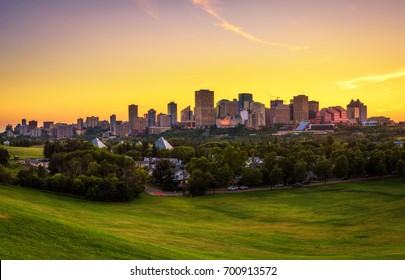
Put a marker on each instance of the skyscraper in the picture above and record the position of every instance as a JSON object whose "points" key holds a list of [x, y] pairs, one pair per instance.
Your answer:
{"points": [[80, 124], [172, 112], [225, 107], [32, 124], [300, 109], [244, 101], [151, 117], [132, 115], [357, 111], [92, 121], [186, 115], [313, 108], [278, 113], [204, 110], [257, 115], [113, 124]]}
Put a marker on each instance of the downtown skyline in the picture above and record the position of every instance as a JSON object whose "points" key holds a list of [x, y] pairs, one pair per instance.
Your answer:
{"points": [[64, 59]]}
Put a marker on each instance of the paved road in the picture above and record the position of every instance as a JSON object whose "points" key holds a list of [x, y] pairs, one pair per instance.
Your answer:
{"points": [[158, 192]]}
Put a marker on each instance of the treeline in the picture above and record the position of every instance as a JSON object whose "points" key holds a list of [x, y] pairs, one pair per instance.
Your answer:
{"points": [[76, 167], [288, 162], [219, 163]]}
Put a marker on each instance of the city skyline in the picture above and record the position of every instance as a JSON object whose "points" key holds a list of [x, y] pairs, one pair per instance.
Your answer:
{"points": [[70, 59]]}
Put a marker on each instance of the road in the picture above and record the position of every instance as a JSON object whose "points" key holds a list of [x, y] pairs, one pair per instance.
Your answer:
{"points": [[158, 192]]}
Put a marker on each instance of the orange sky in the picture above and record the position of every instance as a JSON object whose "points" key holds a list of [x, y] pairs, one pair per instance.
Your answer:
{"points": [[61, 60]]}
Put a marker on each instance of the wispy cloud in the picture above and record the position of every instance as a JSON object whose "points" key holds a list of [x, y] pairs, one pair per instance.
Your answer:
{"points": [[392, 108], [357, 82], [149, 7], [206, 5]]}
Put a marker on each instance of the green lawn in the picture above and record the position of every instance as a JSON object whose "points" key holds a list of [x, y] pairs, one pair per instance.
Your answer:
{"points": [[25, 152], [357, 220]]}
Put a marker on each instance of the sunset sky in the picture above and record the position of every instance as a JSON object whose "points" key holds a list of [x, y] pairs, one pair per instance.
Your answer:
{"points": [[61, 60]]}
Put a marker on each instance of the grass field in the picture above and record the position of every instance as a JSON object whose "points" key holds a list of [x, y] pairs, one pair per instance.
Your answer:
{"points": [[356, 220], [25, 152]]}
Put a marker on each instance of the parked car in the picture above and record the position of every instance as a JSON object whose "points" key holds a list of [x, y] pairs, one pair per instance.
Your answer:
{"points": [[297, 185], [243, 187], [233, 188], [279, 185]]}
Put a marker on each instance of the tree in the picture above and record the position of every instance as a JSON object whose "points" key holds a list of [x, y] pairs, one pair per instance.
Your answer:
{"points": [[163, 174], [185, 153], [235, 158], [5, 176], [199, 182], [323, 169], [252, 177], [201, 163], [357, 165], [4, 156], [270, 160], [276, 175], [287, 166], [381, 169], [341, 168], [376, 157], [300, 171], [223, 176], [400, 168]]}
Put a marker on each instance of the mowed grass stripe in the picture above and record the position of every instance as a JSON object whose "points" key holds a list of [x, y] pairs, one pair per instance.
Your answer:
{"points": [[356, 220]]}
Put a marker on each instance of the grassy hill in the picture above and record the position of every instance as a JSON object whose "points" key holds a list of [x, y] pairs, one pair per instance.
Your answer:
{"points": [[25, 152], [357, 220]]}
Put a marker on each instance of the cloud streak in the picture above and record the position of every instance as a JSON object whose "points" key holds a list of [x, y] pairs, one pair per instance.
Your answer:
{"points": [[357, 82], [226, 25], [149, 8]]}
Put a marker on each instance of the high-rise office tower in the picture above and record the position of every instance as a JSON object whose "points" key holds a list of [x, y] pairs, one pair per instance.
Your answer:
{"points": [[226, 107], [244, 101], [204, 110], [313, 108], [92, 121], [47, 125], [257, 115], [132, 115], [80, 123], [113, 124], [172, 112], [32, 124], [278, 113], [357, 111], [186, 115], [151, 117], [300, 109]]}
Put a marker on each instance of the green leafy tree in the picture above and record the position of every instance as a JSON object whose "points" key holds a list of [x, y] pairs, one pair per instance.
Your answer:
{"points": [[381, 169], [235, 158], [357, 165], [199, 182], [323, 169], [252, 177], [185, 153], [223, 176], [5, 176], [276, 175], [300, 171], [201, 163], [163, 174], [400, 168], [4, 156], [270, 160], [341, 168]]}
